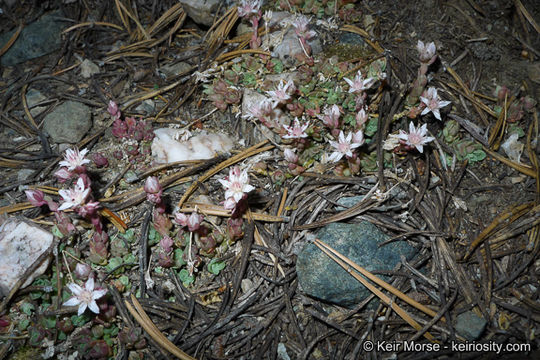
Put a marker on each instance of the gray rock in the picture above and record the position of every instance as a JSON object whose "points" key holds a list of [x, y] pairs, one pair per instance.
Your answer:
{"points": [[37, 39], [201, 11], [321, 277], [485, 52], [24, 174], [351, 39], [289, 47], [469, 325], [68, 123], [148, 106], [348, 202], [34, 97], [175, 69], [88, 68], [21, 244]]}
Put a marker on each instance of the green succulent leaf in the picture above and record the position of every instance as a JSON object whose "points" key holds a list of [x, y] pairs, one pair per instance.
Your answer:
{"points": [[215, 266], [184, 276]]}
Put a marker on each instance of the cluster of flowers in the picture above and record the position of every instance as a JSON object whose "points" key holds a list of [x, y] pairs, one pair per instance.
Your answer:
{"points": [[79, 199], [251, 10], [430, 101], [201, 240]]}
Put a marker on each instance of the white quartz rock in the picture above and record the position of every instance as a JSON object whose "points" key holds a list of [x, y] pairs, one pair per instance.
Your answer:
{"points": [[21, 244], [166, 149]]}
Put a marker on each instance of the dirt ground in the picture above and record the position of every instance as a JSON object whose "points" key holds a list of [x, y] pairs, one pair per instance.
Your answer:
{"points": [[474, 222]]}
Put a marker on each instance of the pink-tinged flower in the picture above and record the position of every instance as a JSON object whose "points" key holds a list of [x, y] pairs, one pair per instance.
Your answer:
{"points": [[35, 197], [259, 110], [63, 174], [194, 221], [361, 118], [343, 147], [236, 184], [416, 136], [166, 243], [297, 131], [301, 28], [290, 156], [153, 189], [88, 209], [85, 297], [249, 7], [433, 102], [82, 271], [74, 159], [282, 93], [180, 219], [229, 204], [427, 52], [74, 197], [331, 117], [359, 84], [112, 109], [358, 137]]}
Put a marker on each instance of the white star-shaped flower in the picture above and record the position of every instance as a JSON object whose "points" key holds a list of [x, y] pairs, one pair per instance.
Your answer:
{"points": [[416, 136], [282, 93], [236, 184], [85, 297], [344, 146], [426, 52], [74, 197], [432, 102], [296, 131], [73, 158], [359, 84]]}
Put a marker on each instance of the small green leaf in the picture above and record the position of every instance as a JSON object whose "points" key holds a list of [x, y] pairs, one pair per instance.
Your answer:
{"points": [[79, 321], [476, 155], [62, 335], [49, 322], [215, 266], [371, 127], [349, 120], [114, 264], [124, 280], [27, 308], [249, 79], [111, 331], [278, 66], [178, 258], [184, 276], [34, 295], [129, 235], [153, 236], [56, 232], [130, 259], [514, 128], [23, 324]]}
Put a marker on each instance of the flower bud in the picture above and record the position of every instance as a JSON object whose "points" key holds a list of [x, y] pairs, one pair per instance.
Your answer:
{"points": [[82, 271], [35, 197]]}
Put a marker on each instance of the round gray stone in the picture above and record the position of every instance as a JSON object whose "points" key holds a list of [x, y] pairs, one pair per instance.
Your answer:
{"points": [[68, 123], [321, 277]]}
